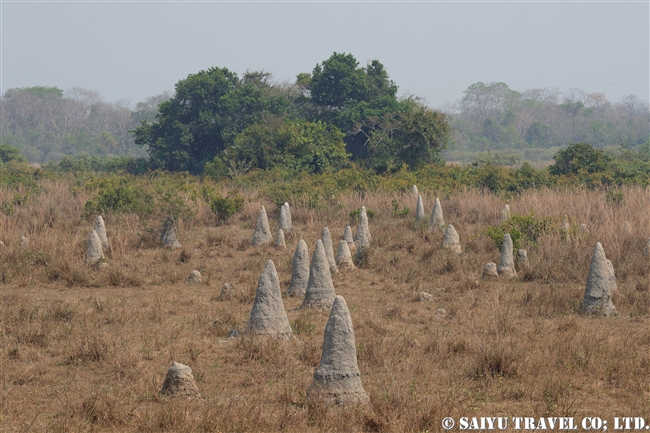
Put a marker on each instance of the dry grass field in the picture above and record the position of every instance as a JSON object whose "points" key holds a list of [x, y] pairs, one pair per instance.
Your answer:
{"points": [[87, 350]]}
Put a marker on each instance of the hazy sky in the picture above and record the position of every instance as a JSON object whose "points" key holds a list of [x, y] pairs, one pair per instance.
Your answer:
{"points": [[431, 49]]}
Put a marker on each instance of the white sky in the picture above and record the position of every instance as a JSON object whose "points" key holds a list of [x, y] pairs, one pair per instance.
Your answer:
{"points": [[435, 50]]}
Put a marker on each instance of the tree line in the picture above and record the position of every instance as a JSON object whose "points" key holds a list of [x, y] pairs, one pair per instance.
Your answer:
{"points": [[46, 123], [340, 113], [538, 122]]}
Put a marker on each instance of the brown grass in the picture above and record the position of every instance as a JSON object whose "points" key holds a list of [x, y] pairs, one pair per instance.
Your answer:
{"points": [[87, 350]]}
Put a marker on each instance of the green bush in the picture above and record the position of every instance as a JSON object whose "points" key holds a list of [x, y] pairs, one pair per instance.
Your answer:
{"points": [[524, 230], [579, 158], [225, 207], [119, 195], [354, 215], [10, 153], [397, 212], [295, 145], [7, 207], [216, 169], [18, 175], [152, 196]]}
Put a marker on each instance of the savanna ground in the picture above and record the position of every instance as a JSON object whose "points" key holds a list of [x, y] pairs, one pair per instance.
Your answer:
{"points": [[88, 350]]}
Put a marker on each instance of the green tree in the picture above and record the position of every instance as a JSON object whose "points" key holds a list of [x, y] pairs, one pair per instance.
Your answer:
{"points": [[216, 169], [579, 158], [415, 136], [147, 109], [210, 108], [380, 131], [337, 82]]}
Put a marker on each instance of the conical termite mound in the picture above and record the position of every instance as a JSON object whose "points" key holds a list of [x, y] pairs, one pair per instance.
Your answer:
{"points": [[94, 252], [284, 221], [506, 267], [268, 316], [100, 228], [168, 235], [451, 240], [414, 192], [505, 213], [337, 380], [419, 210], [347, 234], [326, 237], [262, 233], [343, 256], [299, 270], [598, 294], [437, 220], [279, 240], [319, 293], [362, 235]]}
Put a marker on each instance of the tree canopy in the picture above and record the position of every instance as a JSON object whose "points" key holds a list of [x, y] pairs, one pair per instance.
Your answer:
{"points": [[209, 110], [340, 83], [314, 124]]}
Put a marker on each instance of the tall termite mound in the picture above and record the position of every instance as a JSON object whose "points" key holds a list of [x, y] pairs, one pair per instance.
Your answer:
{"points": [[337, 380]]}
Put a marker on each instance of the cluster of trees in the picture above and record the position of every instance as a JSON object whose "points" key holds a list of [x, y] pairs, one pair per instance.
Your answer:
{"points": [[494, 117], [221, 123], [46, 123]]}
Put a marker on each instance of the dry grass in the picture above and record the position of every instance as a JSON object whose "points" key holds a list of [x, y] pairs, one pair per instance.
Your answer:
{"points": [[86, 350]]}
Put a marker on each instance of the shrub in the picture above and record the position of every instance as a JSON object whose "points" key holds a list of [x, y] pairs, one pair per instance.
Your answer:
{"points": [[18, 175], [225, 207], [579, 158], [10, 153], [119, 195], [399, 213], [216, 169], [354, 215], [173, 204], [523, 229], [7, 208], [150, 197]]}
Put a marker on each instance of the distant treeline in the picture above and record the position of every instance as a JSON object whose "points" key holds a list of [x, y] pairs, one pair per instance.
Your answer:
{"points": [[535, 124], [46, 123], [339, 114]]}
